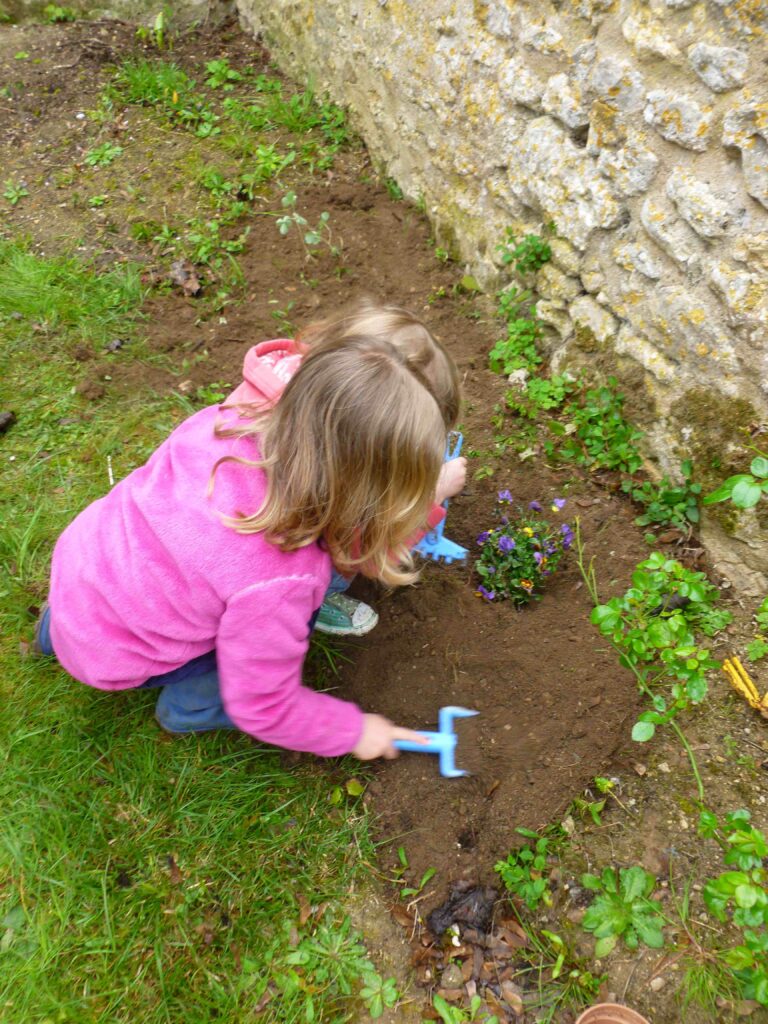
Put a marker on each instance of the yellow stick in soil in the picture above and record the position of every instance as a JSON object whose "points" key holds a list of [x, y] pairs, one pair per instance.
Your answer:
{"points": [[740, 680]]}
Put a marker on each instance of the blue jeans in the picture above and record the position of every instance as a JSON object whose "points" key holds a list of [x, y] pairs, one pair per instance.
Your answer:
{"points": [[190, 697]]}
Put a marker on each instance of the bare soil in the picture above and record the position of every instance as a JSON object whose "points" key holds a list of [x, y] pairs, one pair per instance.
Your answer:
{"points": [[555, 708]]}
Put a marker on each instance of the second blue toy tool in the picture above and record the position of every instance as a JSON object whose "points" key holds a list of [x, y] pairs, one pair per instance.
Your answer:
{"points": [[442, 742], [434, 545]]}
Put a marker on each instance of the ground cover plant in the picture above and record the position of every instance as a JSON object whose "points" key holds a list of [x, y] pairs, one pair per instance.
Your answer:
{"points": [[149, 879]]}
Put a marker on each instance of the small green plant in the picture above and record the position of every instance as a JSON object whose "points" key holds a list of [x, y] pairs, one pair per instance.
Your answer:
{"points": [[598, 435], [518, 555], [53, 14], [97, 201], [154, 34], [328, 959], [741, 897], [312, 237], [743, 489], [623, 909], [14, 191], [524, 871], [527, 255], [450, 1014], [103, 155], [221, 75], [517, 350], [393, 189], [540, 393], [651, 627], [758, 647], [667, 504]]}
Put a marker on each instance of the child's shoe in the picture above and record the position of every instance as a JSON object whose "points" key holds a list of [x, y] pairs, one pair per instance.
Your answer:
{"points": [[344, 616]]}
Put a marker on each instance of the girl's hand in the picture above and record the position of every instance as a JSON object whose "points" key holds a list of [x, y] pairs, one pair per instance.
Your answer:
{"points": [[377, 738], [452, 479]]}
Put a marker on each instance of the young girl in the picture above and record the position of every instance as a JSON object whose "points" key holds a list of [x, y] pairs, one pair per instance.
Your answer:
{"points": [[269, 366], [201, 572]]}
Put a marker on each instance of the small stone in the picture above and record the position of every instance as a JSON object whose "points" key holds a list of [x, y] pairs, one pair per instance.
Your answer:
{"points": [[664, 767], [635, 257], [657, 984], [588, 315], [452, 977], [746, 128], [543, 38], [697, 204], [618, 84], [630, 169], [670, 232], [680, 119], [648, 38], [720, 67], [557, 287], [639, 768]]}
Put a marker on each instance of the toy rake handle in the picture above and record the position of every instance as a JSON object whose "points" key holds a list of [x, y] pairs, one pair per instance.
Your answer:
{"points": [[438, 741]]}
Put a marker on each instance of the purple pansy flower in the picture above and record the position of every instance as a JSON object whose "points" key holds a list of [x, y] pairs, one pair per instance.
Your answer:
{"points": [[506, 544], [567, 533], [534, 506], [489, 595], [538, 556], [557, 504], [490, 569], [505, 496], [505, 520], [483, 537]]}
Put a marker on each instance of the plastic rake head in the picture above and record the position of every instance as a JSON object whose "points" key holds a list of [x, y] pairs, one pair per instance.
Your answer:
{"points": [[442, 742], [434, 545]]}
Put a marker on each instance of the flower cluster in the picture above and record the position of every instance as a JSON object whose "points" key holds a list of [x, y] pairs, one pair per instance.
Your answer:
{"points": [[517, 555]]}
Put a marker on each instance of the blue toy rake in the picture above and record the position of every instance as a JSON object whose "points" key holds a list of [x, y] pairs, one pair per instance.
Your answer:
{"points": [[442, 742], [434, 545]]}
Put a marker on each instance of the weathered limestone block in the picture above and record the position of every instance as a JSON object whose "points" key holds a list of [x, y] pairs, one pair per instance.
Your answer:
{"points": [[587, 314], [630, 169], [615, 82], [557, 287], [553, 315], [565, 256], [679, 119], [559, 179], [728, 559], [747, 129], [520, 84], [592, 274], [744, 294], [649, 39], [564, 100], [634, 257], [752, 249], [693, 337], [698, 205], [671, 233], [631, 343], [720, 67]]}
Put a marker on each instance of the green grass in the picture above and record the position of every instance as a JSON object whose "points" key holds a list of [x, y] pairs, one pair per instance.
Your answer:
{"points": [[142, 878]]}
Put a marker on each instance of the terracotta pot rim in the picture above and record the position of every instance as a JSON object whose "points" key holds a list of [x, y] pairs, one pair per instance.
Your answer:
{"points": [[629, 1015]]}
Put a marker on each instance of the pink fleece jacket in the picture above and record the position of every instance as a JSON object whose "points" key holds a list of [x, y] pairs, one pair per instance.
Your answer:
{"points": [[148, 577]]}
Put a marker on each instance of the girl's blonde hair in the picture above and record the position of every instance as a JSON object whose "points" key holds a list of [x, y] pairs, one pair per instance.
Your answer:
{"points": [[353, 448]]}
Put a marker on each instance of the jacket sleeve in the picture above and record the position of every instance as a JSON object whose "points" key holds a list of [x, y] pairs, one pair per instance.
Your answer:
{"points": [[260, 648]]}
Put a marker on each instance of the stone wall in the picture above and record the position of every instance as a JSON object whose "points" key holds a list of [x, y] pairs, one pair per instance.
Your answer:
{"points": [[641, 130]]}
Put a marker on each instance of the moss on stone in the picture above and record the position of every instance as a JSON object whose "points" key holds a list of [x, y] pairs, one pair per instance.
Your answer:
{"points": [[718, 428]]}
